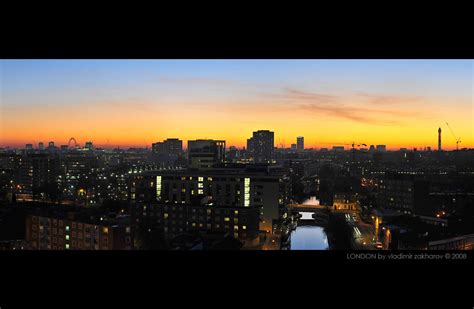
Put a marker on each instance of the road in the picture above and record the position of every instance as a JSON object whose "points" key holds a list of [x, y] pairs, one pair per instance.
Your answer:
{"points": [[363, 233]]}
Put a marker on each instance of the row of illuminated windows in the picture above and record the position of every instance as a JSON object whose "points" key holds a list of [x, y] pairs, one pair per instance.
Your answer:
{"points": [[217, 226], [203, 218], [202, 222], [60, 240], [80, 247], [218, 179], [208, 211], [67, 229], [183, 188], [166, 216], [216, 219], [216, 211]]}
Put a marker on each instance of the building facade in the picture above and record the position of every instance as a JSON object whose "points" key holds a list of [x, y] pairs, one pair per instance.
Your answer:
{"points": [[204, 154], [261, 145], [170, 146], [300, 143], [403, 193], [52, 232], [235, 188], [343, 201], [201, 217], [36, 173]]}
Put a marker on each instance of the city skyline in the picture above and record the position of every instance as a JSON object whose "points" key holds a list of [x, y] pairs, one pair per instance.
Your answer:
{"points": [[134, 103]]}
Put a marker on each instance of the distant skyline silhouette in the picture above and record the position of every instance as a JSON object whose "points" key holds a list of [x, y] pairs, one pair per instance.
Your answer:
{"points": [[126, 103]]}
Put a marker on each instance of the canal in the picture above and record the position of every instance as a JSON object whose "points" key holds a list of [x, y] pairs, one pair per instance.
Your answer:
{"points": [[309, 235]]}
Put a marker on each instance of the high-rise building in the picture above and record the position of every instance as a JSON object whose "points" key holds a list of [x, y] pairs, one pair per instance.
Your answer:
{"points": [[170, 146], [38, 174], [29, 147], [300, 143], [203, 154], [89, 146], [439, 139], [293, 147], [51, 147], [260, 146], [381, 148], [41, 146], [75, 167]]}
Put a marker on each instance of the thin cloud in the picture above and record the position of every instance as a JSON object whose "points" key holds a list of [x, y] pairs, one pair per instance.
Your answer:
{"points": [[289, 93], [377, 99], [362, 115], [334, 106]]}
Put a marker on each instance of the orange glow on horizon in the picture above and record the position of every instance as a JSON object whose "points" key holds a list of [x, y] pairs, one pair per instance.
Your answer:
{"points": [[129, 124]]}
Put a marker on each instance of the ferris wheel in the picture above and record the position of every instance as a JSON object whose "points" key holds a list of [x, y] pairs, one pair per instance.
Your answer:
{"points": [[72, 140]]}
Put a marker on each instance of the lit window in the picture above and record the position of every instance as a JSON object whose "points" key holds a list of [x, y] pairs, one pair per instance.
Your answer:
{"points": [[200, 191], [227, 219], [194, 224], [127, 229], [158, 186], [105, 230], [246, 192], [236, 212], [67, 246], [244, 227], [165, 215], [200, 178], [236, 227], [209, 178], [67, 237], [200, 185], [67, 228], [183, 190]]}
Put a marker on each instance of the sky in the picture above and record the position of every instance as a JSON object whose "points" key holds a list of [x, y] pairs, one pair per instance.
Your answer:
{"points": [[133, 103]]}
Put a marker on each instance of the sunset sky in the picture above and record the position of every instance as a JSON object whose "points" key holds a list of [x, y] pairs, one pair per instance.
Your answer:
{"points": [[400, 103]]}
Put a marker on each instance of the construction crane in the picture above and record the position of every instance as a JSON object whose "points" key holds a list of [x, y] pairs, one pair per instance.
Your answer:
{"points": [[353, 150], [346, 144], [457, 139]]}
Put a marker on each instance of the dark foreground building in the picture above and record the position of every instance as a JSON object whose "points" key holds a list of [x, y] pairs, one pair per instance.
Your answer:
{"points": [[243, 200], [201, 217], [68, 231]]}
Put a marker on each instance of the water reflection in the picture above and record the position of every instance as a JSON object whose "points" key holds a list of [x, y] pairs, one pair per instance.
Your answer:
{"points": [[308, 235], [309, 238]]}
